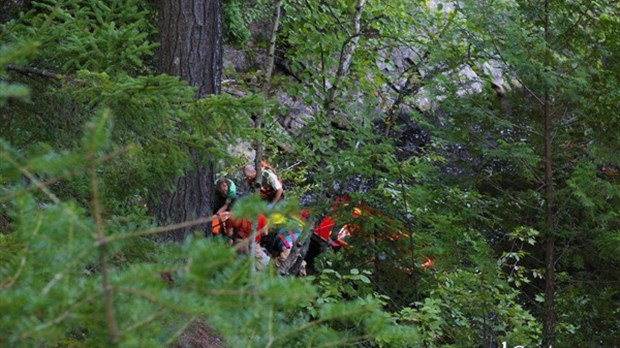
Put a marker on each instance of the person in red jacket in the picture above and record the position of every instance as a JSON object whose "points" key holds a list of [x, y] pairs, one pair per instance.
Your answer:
{"points": [[241, 231]]}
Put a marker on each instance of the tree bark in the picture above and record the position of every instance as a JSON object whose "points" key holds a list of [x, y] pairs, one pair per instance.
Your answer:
{"points": [[346, 55], [259, 118], [191, 42], [191, 48], [549, 305]]}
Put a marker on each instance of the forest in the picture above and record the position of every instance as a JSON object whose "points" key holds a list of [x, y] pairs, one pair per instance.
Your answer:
{"points": [[447, 173]]}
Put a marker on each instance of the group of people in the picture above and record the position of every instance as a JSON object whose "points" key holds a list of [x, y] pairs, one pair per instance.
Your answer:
{"points": [[270, 188], [274, 239], [266, 246]]}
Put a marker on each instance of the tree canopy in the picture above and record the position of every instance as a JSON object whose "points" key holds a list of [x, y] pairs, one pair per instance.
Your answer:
{"points": [[475, 145]]}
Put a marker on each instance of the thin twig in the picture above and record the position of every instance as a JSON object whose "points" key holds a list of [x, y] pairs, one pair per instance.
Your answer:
{"points": [[153, 298], [342, 26], [501, 57], [145, 321], [155, 230], [411, 232], [180, 331], [11, 280], [34, 187], [292, 166], [270, 329], [351, 314], [31, 176], [342, 342], [56, 179], [103, 258], [25, 70], [346, 55], [58, 319]]}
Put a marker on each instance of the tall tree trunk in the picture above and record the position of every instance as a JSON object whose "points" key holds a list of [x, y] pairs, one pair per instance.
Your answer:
{"points": [[191, 48], [275, 22], [346, 56], [549, 305]]}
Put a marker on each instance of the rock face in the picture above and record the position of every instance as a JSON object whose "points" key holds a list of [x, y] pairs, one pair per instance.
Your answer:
{"points": [[410, 138], [237, 59], [297, 112]]}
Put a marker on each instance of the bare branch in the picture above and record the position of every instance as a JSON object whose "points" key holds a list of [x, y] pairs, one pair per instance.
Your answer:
{"points": [[7, 283], [180, 331], [31, 176], [51, 181], [145, 321], [346, 55], [25, 70], [155, 230], [113, 334]]}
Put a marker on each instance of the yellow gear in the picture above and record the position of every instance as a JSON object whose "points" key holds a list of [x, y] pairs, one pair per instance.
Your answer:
{"points": [[277, 219]]}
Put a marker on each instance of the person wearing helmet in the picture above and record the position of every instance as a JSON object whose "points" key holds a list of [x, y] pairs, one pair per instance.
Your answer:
{"points": [[280, 243]]}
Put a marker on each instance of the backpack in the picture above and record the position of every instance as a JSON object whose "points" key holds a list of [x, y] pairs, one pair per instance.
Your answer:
{"points": [[275, 243], [288, 240], [219, 223]]}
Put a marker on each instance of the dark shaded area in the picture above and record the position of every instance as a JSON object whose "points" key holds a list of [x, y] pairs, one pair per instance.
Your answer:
{"points": [[9, 9], [410, 138]]}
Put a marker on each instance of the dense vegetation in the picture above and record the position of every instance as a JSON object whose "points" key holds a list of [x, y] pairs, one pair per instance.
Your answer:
{"points": [[484, 136]]}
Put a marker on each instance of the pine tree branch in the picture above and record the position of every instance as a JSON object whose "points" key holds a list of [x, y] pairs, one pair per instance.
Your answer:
{"points": [[25, 70], [30, 176], [155, 230], [180, 331], [7, 283], [347, 314], [44, 184], [103, 259], [64, 315], [145, 321]]}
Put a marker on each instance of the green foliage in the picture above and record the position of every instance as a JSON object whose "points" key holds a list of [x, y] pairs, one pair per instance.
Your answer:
{"points": [[53, 282], [473, 307], [469, 199], [502, 137], [75, 34], [336, 287], [238, 15], [586, 317], [355, 286], [12, 54]]}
